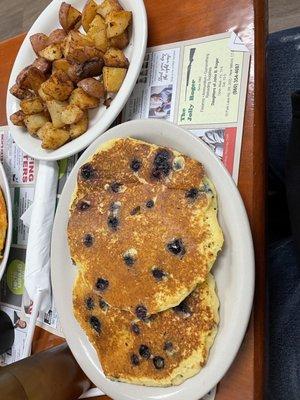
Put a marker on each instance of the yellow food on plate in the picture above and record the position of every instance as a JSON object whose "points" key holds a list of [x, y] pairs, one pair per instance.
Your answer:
{"points": [[169, 348], [31, 106], [72, 68], [79, 127], [113, 78], [143, 225], [88, 14], [34, 122], [107, 6]]}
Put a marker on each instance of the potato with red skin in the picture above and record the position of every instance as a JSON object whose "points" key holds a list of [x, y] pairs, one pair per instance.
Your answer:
{"points": [[42, 65], [57, 36], [30, 78], [92, 87], [92, 68], [88, 69], [17, 118], [69, 17], [19, 93], [58, 86], [79, 48], [38, 42], [88, 14], [74, 72]]}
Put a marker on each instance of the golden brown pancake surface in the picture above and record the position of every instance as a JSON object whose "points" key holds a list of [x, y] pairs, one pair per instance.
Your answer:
{"points": [[166, 350], [143, 227]]}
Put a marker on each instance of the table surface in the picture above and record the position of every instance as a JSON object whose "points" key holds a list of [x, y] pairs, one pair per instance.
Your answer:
{"points": [[175, 20]]}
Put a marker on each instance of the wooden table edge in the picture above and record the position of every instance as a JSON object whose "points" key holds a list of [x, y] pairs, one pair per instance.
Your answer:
{"points": [[258, 227]]}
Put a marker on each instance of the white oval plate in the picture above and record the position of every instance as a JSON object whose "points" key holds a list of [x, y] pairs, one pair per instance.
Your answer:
{"points": [[6, 193], [234, 269], [100, 118]]}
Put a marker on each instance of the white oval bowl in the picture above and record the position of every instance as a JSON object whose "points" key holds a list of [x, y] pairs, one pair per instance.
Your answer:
{"points": [[6, 194], [234, 269], [100, 118]]}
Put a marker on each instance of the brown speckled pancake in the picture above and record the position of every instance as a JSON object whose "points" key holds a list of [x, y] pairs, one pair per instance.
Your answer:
{"points": [[3, 223], [143, 226], [170, 348]]}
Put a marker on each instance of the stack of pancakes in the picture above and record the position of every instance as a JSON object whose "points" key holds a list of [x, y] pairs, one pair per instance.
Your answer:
{"points": [[144, 234]]}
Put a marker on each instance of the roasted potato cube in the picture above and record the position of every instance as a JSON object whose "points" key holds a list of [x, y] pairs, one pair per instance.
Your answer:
{"points": [[56, 36], [115, 58], [42, 65], [113, 78], [108, 6], [31, 106], [92, 68], [69, 17], [98, 22], [56, 109], [97, 33], [51, 52], [99, 38], [120, 41], [117, 22], [78, 128], [88, 14], [79, 48], [38, 42], [93, 87], [35, 122], [53, 138], [30, 78], [83, 100], [62, 65], [18, 118], [88, 69], [45, 97], [19, 93], [58, 86], [43, 129], [75, 71], [71, 114]]}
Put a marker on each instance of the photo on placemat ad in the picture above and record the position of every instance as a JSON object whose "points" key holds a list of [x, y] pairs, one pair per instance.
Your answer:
{"points": [[160, 103]]}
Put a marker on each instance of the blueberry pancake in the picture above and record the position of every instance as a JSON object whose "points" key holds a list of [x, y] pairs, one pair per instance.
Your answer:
{"points": [[143, 226], [3, 223], [164, 350]]}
